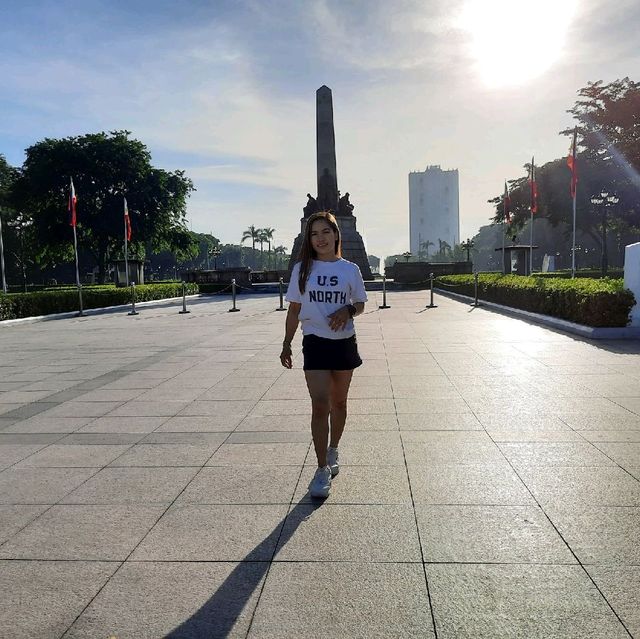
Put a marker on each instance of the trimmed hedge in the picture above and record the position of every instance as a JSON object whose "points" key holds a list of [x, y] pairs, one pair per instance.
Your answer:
{"points": [[65, 300], [613, 273], [591, 302]]}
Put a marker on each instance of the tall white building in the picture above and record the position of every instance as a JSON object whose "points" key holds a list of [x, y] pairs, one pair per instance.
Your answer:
{"points": [[434, 210]]}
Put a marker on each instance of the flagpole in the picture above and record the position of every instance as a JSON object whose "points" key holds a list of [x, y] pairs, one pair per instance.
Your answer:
{"points": [[531, 247], [574, 192], [72, 221], [126, 245], [504, 232], [4, 280], [573, 249], [533, 177], [75, 248]]}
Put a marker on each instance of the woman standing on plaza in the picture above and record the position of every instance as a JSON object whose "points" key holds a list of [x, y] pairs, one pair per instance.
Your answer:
{"points": [[325, 293]]}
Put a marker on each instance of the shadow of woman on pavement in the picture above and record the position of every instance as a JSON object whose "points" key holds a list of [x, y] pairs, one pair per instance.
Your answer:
{"points": [[218, 616]]}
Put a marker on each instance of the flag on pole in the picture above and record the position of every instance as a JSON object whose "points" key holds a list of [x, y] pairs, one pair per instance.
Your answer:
{"points": [[572, 163], [534, 188], [127, 221], [507, 204], [72, 205]]}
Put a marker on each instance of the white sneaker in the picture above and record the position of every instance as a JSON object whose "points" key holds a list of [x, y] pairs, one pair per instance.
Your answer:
{"points": [[321, 483], [332, 461]]}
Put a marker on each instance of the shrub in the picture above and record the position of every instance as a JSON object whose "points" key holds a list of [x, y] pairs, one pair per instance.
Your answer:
{"points": [[613, 273], [65, 299], [592, 302]]}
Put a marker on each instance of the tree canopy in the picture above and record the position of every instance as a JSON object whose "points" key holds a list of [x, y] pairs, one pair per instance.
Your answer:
{"points": [[105, 167], [608, 125]]}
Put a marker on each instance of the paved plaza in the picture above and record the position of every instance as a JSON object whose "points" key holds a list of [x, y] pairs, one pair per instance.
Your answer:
{"points": [[154, 472]]}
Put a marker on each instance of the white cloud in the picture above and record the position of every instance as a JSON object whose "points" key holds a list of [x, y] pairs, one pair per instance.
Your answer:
{"points": [[236, 92]]}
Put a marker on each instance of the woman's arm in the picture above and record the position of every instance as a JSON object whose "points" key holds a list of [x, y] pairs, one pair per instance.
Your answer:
{"points": [[290, 327]]}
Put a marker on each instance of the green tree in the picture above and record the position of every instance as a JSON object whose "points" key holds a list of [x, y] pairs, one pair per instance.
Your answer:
{"points": [[17, 232], [252, 233], [279, 252], [105, 167], [268, 238], [261, 239], [607, 116]]}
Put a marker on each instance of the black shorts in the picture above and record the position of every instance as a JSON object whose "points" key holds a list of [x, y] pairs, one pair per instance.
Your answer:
{"points": [[322, 354]]}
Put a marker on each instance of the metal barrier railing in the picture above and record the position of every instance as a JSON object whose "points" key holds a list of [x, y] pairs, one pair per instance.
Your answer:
{"points": [[133, 300], [384, 293], [233, 309], [431, 304], [280, 288], [184, 300]]}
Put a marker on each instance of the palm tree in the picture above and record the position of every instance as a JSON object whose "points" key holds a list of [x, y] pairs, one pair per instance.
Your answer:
{"points": [[252, 232], [262, 239], [268, 237], [425, 246], [279, 250]]}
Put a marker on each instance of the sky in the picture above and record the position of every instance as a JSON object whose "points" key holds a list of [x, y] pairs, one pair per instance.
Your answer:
{"points": [[225, 90]]}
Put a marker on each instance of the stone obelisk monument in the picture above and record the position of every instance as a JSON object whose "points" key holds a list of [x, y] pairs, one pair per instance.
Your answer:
{"points": [[328, 198]]}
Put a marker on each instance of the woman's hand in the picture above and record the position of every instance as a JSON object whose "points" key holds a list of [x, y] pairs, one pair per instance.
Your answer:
{"points": [[286, 356], [338, 319]]}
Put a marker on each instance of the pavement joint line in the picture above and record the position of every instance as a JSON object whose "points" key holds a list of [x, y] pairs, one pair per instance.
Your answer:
{"points": [[627, 368], [275, 547], [413, 503], [162, 514], [579, 563], [35, 408]]}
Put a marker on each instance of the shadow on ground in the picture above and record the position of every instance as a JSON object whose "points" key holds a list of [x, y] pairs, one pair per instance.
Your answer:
{"points": [[218, 616]]}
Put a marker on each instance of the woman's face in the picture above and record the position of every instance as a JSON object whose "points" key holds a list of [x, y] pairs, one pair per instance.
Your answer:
{"points": [[323, 239]]}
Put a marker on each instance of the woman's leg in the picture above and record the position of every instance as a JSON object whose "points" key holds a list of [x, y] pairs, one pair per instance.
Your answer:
{"points": [[319, 383], [340, 381]]}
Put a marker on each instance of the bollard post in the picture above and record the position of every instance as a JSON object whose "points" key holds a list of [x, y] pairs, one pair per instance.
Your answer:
{"points": [[281, 307], [384, 292], [133, 300], [475, 285], [233, 296], [184, 300], [431, 304], [81, 309]]}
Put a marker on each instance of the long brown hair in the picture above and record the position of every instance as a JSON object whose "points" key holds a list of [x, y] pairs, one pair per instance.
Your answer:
{"points": [[307, 254]]}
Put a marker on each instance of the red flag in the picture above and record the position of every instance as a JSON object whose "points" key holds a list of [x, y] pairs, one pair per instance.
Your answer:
{"points": [[534, 188], [127, 221], [572, 163], [72, 204], [507, 204]]}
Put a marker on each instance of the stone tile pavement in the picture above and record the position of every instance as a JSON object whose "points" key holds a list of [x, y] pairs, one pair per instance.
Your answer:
{"points": [[154, 471]]}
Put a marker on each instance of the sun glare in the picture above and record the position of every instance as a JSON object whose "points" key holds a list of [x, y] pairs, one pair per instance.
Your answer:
{"points": [[513, 41]]}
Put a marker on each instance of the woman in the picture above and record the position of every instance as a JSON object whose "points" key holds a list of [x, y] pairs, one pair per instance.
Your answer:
{"points": [[325, 293]]}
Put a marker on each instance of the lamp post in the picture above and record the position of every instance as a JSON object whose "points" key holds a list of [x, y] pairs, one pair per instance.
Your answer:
{"points": [[215, 253], [407, 255], [604, 200], [467, 246]]}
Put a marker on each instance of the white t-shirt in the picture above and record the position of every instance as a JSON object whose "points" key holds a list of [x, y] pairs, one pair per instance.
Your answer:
{"points": [[331, 285]]}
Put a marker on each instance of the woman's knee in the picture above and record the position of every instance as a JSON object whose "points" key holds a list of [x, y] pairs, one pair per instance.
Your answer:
{"points": [[339, 404], [320, 405]]}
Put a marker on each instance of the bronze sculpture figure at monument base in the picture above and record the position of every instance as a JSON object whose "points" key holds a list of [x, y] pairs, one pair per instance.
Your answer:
{"points": [[328, 198]]}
